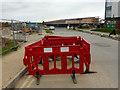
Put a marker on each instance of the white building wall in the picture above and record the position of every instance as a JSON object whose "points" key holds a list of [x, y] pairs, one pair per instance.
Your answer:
{"points": [[108, 13], [114, 9], [119, 8]]}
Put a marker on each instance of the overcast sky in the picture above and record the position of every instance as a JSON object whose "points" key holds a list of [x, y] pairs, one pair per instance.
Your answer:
{"points": [[47, 10]]}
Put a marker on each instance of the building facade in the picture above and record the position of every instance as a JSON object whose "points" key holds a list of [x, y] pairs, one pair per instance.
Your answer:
{"points": [[88, 20], [112, 14], [74, 21]]}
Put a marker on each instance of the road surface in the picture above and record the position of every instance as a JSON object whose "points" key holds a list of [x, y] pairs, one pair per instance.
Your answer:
{"points": [[104, 53]]}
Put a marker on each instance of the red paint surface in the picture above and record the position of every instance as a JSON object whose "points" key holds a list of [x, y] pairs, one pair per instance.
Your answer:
{"points": [[35, 51]]}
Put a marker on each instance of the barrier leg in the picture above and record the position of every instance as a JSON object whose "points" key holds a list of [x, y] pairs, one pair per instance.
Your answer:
{"points": [[73, 77], [38, 78], [88, 72]]}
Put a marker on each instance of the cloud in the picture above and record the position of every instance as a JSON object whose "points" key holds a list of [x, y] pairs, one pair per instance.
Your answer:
{"points": [[54, 1], [51, 9]]}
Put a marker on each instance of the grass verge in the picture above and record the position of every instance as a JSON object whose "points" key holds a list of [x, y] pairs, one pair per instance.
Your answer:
{"points": [[48, 31], [106, 30], [7, 49], [45, 29]]}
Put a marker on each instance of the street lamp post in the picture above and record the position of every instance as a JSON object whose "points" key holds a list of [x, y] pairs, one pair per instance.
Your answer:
{"points": [[113, 21], [80, 22], [24, 24], [13, 35]]}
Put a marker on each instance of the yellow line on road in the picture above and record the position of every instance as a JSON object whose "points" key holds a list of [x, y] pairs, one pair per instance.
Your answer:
{"points": [[31, 82], [26, 81]]}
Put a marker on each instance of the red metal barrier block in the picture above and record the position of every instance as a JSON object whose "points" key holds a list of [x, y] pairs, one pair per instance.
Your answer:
{"points": [[51, 47]]}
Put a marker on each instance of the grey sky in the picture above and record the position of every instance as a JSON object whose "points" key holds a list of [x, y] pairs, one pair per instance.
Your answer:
{"points": [[51, 9]]}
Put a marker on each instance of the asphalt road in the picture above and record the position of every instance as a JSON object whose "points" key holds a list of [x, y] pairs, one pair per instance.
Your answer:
{"points": [[104, 53]]}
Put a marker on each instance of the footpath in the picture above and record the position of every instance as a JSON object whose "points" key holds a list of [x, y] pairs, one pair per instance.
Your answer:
{"points": [[12, 63], [102, 34]]}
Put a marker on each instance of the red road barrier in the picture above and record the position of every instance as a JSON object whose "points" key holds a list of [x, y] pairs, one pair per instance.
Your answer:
{"points": [[54, 40], [57, 46]]}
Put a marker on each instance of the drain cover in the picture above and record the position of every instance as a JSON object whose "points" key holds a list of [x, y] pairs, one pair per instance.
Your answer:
{"points": [[101, 44]]}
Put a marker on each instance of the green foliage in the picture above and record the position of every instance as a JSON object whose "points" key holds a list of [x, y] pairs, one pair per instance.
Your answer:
{"points": [[6, 24], [43, 22], [30, 33], [107, 30], [81, 30], [45, 29], [6, 49], [117, 38], [48, 31], [70, 29]]}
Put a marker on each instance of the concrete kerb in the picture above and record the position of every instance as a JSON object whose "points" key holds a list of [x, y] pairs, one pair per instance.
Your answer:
{"points": [[102, 35], [12, 82]]}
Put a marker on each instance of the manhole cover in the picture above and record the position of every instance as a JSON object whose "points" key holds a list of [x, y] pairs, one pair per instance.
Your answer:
{"points": [[101, 44]]}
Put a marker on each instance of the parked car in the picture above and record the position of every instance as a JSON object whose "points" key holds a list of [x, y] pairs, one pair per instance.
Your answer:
{"points": [[45, 26], [85, 25], [51, 28], [20, 31]]}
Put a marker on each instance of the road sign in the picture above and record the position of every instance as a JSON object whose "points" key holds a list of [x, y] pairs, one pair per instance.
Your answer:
{"points": [[111, 26]]}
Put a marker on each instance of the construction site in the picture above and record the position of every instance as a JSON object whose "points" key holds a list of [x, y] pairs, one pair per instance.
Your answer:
{"points": [[65, 53]]}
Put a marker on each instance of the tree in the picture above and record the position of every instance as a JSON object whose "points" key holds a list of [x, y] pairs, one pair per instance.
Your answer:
{"points": [[6, 24], [43, 22]]}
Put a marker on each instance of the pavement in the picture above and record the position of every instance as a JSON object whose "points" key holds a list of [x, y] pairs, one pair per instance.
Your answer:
{"points": [[0, 61], [12, 63], [96, 32], [104, 54], [0, 71], [89, 30]]}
